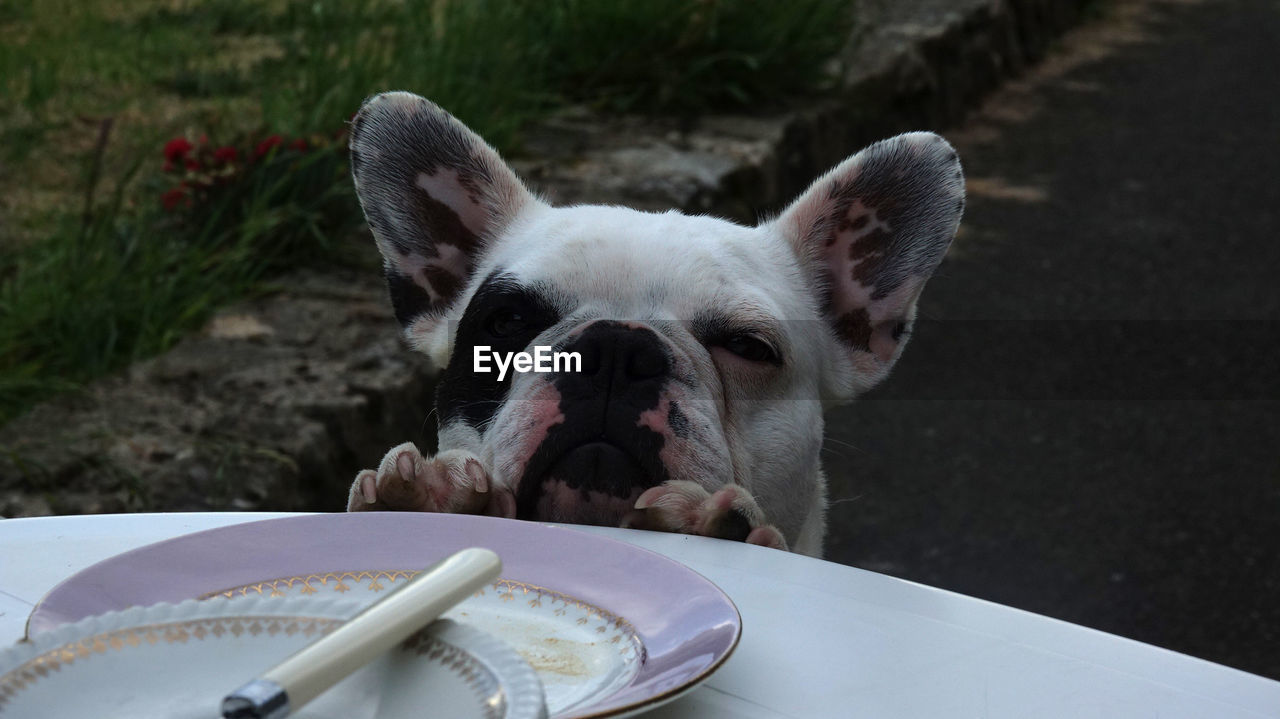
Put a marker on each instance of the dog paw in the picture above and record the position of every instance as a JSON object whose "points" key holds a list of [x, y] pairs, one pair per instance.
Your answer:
{"points": [[452, 481], [685, 507]]}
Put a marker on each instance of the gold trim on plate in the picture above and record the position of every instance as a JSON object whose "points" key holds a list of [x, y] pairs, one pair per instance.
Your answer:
{"points": [[507, 590], [476, 675]]}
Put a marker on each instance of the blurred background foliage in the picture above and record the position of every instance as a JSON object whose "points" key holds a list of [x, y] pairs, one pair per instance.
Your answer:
{"points": [[97, 271]]}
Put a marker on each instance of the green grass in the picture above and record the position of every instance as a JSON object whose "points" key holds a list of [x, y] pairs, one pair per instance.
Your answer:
{"points": [[89, 285], [682, 57]]}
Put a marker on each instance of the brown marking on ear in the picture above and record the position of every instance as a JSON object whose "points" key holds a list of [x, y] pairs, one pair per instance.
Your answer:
{"points": [[445, 285], [854, 327], [875, 242], [456, 190], [408, 298], [865, 219], [883, 215], [847, 225], [439, 221], [445, 265], [869, 254]]}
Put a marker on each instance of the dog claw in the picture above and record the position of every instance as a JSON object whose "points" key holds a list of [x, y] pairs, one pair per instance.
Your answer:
{"points": [[649, 496], [367, 483], [479, 478], [405, 464], [452, 481], [685, 507]]}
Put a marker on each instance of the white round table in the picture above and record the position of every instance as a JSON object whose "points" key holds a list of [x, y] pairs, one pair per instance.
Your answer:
{"points": [[819, 639]]}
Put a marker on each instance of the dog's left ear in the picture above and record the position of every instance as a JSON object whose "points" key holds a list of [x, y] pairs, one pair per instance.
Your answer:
{"points": [[870, 233]]}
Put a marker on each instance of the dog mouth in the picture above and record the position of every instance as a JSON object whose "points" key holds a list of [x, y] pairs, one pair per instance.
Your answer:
{"points": [[593, 482], [614, 471]]}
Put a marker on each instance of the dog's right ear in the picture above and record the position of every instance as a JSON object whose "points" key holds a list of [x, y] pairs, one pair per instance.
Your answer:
{"points": [[435, 196], [870, 233]]}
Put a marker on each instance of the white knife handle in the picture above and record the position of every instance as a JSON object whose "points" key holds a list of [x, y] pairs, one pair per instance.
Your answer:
{"points": [[379, 627]]}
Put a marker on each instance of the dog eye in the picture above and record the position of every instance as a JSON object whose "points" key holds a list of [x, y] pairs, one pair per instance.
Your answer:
{"points": [[505, 323], [752, 349]]}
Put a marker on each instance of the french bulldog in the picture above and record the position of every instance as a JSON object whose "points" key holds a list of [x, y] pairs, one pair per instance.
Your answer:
{"points": [[706, 351]]}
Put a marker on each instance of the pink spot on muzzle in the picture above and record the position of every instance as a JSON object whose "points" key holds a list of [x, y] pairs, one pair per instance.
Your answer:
{"points": [[658, 419], [675, 450], [536, 415]]}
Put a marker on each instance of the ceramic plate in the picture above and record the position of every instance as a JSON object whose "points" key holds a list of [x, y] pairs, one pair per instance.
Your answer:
{"points": [[610, 628], [179, 660]]}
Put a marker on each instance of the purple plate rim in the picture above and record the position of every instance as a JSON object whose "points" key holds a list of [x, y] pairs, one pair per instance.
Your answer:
{"points": [[49, 613]]}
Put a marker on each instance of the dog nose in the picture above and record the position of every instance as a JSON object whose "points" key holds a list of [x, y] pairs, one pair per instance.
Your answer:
{"points": [[612, 348]]}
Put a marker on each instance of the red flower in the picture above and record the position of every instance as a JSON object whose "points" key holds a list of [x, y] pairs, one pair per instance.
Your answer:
{"points": [[299, 144], [225, 155], [176, 149], [171, 198], [267, 145], [193, 164]]}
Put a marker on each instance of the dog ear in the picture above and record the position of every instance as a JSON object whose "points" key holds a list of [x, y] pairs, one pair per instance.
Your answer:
{"points": [[435, 196], [871, 232]]}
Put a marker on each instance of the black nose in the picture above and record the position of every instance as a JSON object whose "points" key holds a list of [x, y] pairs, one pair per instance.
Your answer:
{"points": [[615, 356]]}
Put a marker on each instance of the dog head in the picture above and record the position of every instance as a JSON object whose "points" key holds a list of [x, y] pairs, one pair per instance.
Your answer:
{"points": [[705, 349]]}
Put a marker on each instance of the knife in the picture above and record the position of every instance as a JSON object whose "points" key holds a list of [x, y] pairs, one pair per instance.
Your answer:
{"points": [[311, 670]]}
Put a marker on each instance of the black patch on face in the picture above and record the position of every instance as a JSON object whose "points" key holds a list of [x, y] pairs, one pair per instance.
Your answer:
{"points": [[474, 397], [600, 445]]}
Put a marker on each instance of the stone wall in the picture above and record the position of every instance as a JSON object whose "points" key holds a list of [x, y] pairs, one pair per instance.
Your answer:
{"points": [[281, 399]]}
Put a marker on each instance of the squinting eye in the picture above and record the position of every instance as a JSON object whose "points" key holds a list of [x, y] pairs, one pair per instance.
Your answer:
{"points": [[752, 349], [505, 323]]}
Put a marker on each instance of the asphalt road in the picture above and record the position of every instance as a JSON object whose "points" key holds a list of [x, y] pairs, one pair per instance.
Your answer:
{"points": [[1087, 422]]}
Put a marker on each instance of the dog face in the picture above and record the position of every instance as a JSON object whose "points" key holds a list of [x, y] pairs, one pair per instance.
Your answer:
{"points": [[682, 362], [707, 349]]}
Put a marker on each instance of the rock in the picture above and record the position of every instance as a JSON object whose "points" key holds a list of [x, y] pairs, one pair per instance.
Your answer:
{"points": [[254, 420]]}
